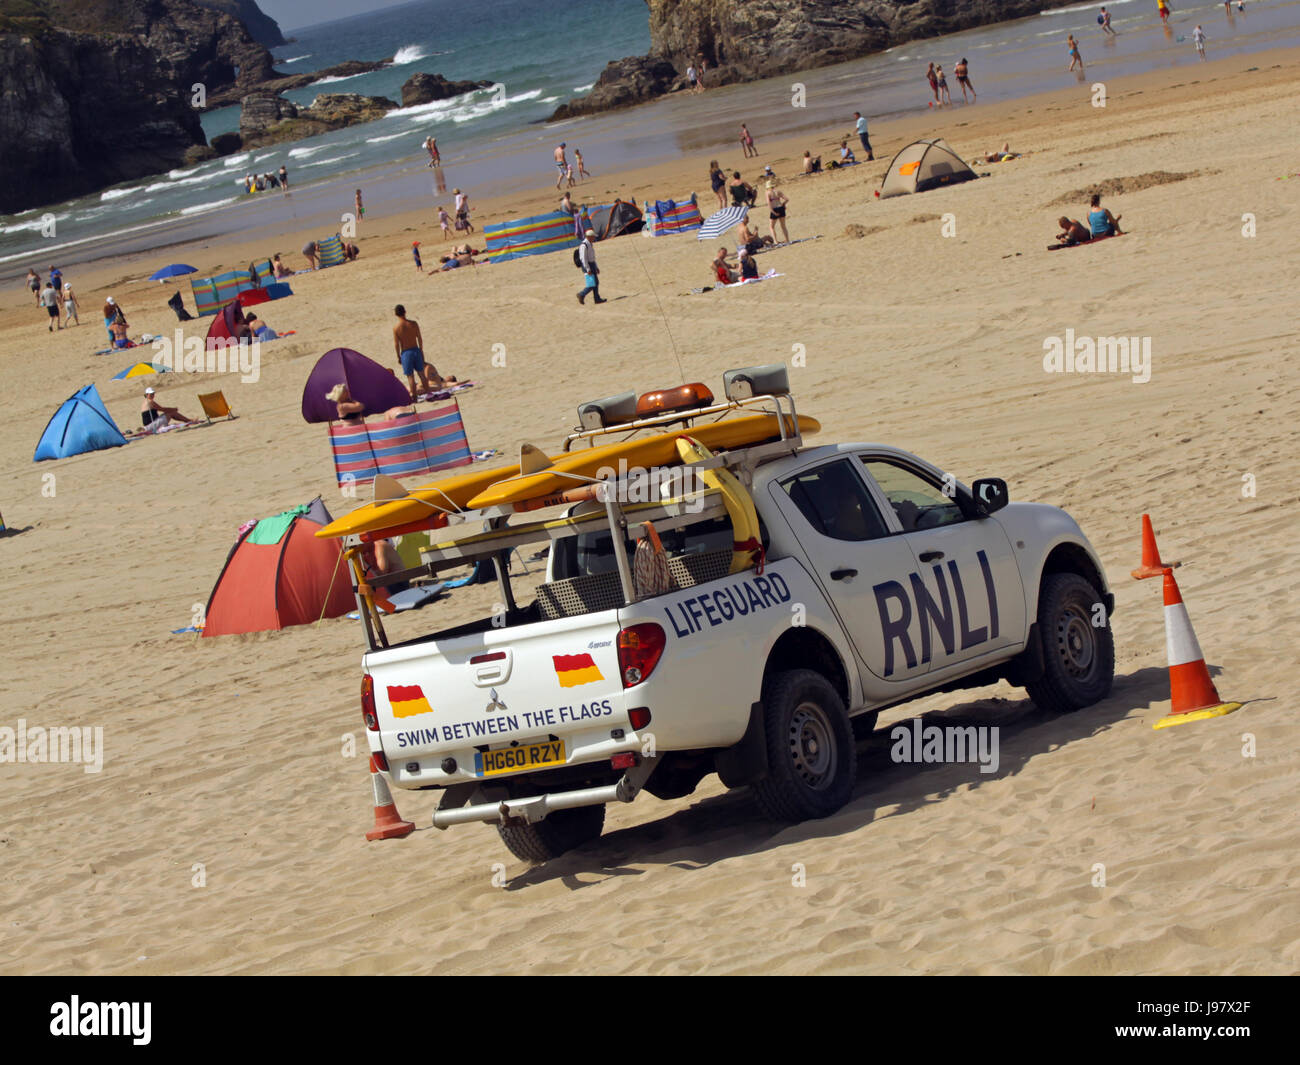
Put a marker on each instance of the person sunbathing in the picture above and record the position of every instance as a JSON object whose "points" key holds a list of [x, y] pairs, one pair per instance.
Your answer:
{"points": [[152, 413], [1072, 231], [351, 411], [722, 270], [1000, 155], [812, 164], [1101, 221], [258, 329]]}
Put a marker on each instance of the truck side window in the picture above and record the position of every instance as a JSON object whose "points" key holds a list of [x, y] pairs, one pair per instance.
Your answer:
{"points": [[835, 502], [918, 503]]}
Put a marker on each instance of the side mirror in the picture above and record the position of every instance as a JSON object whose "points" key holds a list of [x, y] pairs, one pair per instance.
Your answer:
{"points": [[990, 494]]}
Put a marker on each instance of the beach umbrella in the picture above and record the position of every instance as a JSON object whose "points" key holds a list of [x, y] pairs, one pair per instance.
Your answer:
{"points": [[174, 270], [139, 370], [717, 224]]}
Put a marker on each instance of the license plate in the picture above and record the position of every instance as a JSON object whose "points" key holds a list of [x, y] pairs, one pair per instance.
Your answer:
{"points": [[513, 759]]}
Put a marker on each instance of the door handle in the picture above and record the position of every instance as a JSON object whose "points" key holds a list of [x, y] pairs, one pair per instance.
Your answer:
{"points": [[931, 556], [843, 574]]}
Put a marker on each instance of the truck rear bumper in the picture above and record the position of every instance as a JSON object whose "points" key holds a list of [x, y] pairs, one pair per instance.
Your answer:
{"points": [[533, 808]]}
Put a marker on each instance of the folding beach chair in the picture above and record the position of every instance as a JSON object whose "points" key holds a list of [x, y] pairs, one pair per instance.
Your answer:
{"points": [[215, 406]]}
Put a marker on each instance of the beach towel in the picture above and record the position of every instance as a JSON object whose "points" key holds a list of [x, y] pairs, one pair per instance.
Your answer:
{"points": [[432, 439], [446, 393], [1083, 243]]}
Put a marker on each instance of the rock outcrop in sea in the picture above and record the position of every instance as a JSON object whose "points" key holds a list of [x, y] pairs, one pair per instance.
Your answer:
{"points": [[743, 40]]}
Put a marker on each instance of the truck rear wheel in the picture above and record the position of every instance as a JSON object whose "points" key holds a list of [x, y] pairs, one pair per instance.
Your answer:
{"points": [[1078, 656], [551, 837], [811, 760]]}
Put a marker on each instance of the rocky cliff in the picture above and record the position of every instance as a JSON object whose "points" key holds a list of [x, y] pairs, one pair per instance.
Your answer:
{"points": [[261, 26], [742, 40]]}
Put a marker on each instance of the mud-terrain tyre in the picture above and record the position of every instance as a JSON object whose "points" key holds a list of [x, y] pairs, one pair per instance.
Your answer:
{"points": [[549, 838], [811, 761], [1078, 657]]}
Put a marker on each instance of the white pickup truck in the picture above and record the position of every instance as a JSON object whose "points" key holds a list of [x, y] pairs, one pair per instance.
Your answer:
{"points": [[881, 578]]}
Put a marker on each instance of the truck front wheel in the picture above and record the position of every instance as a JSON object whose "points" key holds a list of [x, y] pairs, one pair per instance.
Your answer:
{"points": [[811, 761], [1078, 655], [549, 838]]}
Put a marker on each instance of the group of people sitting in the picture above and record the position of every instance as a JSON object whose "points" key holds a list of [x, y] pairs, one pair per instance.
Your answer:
{"points": [[461, 255], [744, 270], [1101, 223]]}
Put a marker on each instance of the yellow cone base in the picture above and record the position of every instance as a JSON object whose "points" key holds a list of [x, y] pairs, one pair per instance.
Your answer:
{"points": [[1222, 710]]}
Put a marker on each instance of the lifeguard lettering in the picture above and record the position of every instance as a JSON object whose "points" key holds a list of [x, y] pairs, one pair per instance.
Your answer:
{"points": [[688, 616], [934, 615], [407, 700], [573, 670]]}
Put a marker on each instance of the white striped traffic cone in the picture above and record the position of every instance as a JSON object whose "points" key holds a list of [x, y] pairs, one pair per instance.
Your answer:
{"points": [[388, 822], [1192, 693]]}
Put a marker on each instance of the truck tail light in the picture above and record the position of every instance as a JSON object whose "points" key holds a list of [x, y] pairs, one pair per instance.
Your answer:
{"points": [[368, 714], [381, 761], [639, 650], [625, 760]]}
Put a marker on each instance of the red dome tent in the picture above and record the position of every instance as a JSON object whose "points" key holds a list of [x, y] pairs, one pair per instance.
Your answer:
{"points": [[225, 326], [279, 574]]}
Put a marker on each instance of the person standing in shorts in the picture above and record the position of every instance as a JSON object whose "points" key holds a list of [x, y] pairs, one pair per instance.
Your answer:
{"points": [[284, 178], [776, 203], [410, 352], [70, 305], [862, 135], [444, 220], [50, 301], [1198, 35], [561, 163], [415, 254]]}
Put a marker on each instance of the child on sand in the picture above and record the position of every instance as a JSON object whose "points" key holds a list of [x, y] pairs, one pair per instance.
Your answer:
{"points": [[1198, 35], [415, 254], [944, 98], [444, 220]]}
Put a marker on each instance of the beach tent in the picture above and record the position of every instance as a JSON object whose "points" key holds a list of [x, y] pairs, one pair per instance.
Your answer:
{"points": [[673, 216], [924, 165], [611, 219], [369, 383], [81, 424], [530, 236], [720, 221], [329, 252], [433, 439], [213, 293], [224, 326], [279, 574]]}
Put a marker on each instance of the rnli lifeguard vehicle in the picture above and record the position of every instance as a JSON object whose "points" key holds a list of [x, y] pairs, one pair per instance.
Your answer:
{"points": [[718, 597]]}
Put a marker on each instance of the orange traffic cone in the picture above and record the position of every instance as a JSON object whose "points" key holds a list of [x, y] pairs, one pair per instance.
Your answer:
{"points": [[1151, 564], [1192, 692], [388, 822]]}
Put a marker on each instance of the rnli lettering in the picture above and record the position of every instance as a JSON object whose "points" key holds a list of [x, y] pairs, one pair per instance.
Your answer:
{"points": [[688, 616], [934, 615]]}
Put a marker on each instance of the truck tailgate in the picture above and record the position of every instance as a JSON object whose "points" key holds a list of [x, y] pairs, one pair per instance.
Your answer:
{"points": [[500, 702]]}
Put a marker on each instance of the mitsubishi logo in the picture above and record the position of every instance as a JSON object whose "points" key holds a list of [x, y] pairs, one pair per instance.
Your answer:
{"points": [[496, 703]]}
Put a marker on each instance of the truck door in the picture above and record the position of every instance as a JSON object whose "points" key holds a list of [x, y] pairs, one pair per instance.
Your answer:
{"points": [[966, 590], [841, 530]]}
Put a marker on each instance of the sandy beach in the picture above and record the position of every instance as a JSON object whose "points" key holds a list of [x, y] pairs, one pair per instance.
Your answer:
{"points": [[225, 832]]}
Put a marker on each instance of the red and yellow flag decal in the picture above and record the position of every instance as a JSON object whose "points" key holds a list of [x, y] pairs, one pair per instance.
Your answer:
{"points": [[575, 669], [407, 700]]}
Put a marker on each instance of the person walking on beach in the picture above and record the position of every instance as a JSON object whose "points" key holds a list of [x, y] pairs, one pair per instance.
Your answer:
{"points": [[410, 352], [861, 126], [1163, 7], [561, 163], [747, 142], [1198, 35], [934, 83], [70, 305], [944, 97], [444, 220], [1075, 57], [462, 212], [776, 202], [962, 70], [431, 146], [590, 271], [1104, 19], [582, 167], [284, 178], [50, 301]]}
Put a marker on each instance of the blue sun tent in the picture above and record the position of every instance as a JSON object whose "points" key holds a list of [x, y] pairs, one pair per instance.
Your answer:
{"points": [[81, 424]]}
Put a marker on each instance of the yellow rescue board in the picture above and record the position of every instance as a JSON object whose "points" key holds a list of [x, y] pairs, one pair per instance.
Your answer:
{"points": [[659, 449], [468, 490]]}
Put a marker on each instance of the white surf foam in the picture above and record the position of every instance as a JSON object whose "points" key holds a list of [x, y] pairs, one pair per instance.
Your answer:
{"points": [[408, 53], [331, 159], [211, 205], [117, 194], [333, 78], [302, 153], [584, 88], [295, 59], [390, 137], [236, 160]]}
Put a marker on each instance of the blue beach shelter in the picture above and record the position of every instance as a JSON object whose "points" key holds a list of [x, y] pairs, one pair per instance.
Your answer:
{"points": [[81, 424]]}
